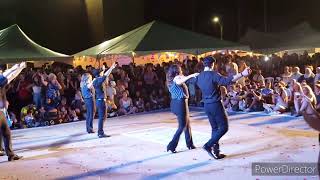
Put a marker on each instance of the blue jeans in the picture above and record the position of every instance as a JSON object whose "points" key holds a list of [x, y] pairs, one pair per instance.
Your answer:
{"points": [[218, 121], [37, 100], [101, 108], [89, 119]]}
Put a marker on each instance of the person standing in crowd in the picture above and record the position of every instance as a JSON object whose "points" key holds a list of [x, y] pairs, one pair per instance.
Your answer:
{"points": [[5, 134], [209, 81], [98, 82], [286, 76], [179, 105], [150, 78], [86, 86]]}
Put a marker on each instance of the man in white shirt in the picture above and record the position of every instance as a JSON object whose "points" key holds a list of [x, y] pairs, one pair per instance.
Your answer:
{"points": [[111, 91]]}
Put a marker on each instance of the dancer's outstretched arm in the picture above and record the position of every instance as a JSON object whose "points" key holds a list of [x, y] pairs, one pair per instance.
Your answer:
{"points": [[182, 79], [110, 69], [246, 72], [14, 71]]}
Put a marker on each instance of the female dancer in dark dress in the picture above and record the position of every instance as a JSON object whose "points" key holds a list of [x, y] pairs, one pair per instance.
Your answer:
{"points": [[179, 105]]}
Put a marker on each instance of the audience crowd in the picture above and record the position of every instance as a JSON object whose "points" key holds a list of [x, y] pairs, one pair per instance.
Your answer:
{"points": [[51, 94]]}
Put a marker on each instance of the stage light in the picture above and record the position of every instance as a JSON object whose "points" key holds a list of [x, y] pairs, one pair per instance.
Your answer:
{"points": [[266, 58], [215, 19]]}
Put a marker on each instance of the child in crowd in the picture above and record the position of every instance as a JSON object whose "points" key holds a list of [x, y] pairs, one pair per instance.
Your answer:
{"points": [[139, 102], [29, 119]]}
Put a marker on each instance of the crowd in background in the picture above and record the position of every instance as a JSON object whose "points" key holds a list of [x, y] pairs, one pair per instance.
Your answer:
{"points": [[51, 94]]}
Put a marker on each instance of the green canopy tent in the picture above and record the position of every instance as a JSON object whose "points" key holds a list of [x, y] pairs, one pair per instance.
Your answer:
{"points": [[156, 37], [15, 46], [302, 36]]}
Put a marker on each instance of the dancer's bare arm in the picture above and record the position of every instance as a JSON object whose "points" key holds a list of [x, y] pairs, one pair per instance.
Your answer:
{"points": [[246, 72], [14, 71], [110, 69], [182, 79]]}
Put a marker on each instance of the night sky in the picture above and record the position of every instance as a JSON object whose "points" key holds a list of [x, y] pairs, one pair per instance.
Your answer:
{"points": [[62, 25]]}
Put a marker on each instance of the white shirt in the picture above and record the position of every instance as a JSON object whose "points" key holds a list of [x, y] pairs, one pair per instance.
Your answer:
{"points": [[111, 92]]}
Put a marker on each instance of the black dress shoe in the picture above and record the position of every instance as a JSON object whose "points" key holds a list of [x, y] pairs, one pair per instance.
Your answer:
{"points": [[14, 158], [209, 150], [216, 152], [2, 153], [103, 136], [172, 150], [191, 147], [90, 132]]}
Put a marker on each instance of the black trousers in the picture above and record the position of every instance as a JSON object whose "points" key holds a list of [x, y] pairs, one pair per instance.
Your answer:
{"points": [[181, 110], [5, 137], [218, 120]]}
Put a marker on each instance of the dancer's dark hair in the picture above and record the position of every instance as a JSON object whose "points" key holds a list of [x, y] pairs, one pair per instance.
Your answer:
{"points": [[173, 71]]}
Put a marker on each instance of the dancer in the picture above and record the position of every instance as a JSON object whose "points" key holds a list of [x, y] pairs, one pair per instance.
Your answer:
{"points": [[209, 81], [86, 86], [179, 105], [98, 82], [5, 134]]}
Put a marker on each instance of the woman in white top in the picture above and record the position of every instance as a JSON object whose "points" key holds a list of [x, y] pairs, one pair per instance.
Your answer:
{"points": [[297, 97], [308, 100]]}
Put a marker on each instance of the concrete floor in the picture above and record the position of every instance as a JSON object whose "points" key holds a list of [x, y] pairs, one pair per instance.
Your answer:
{"points": [[137, 149]]}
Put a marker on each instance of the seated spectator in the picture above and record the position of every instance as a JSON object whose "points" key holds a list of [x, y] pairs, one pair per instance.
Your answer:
{"points": [[236, 98], [254, 100], [29, 119], [126, 105], [52, 94], [308, 77], [162, 99], [111, 107], [317, 94], [63, 111], [258, 78], [267, 92], [286, 76], [308, 99], [111, 90], [139, 102], [26, 111], [77, 105], [296, 74], [317, 76], [224, 96], [297, 98], [154, 104], [279, 101]]}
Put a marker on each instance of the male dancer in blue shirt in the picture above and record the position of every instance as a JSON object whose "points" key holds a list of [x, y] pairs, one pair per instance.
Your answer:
{"points": [[98, 82], [209, 81]]}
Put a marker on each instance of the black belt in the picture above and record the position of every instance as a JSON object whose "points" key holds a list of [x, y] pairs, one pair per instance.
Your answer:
{"points": [[179, 99]]}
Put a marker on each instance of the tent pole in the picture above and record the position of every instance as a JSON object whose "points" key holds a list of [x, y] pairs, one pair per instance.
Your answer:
{"points": [[132, 57]]}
